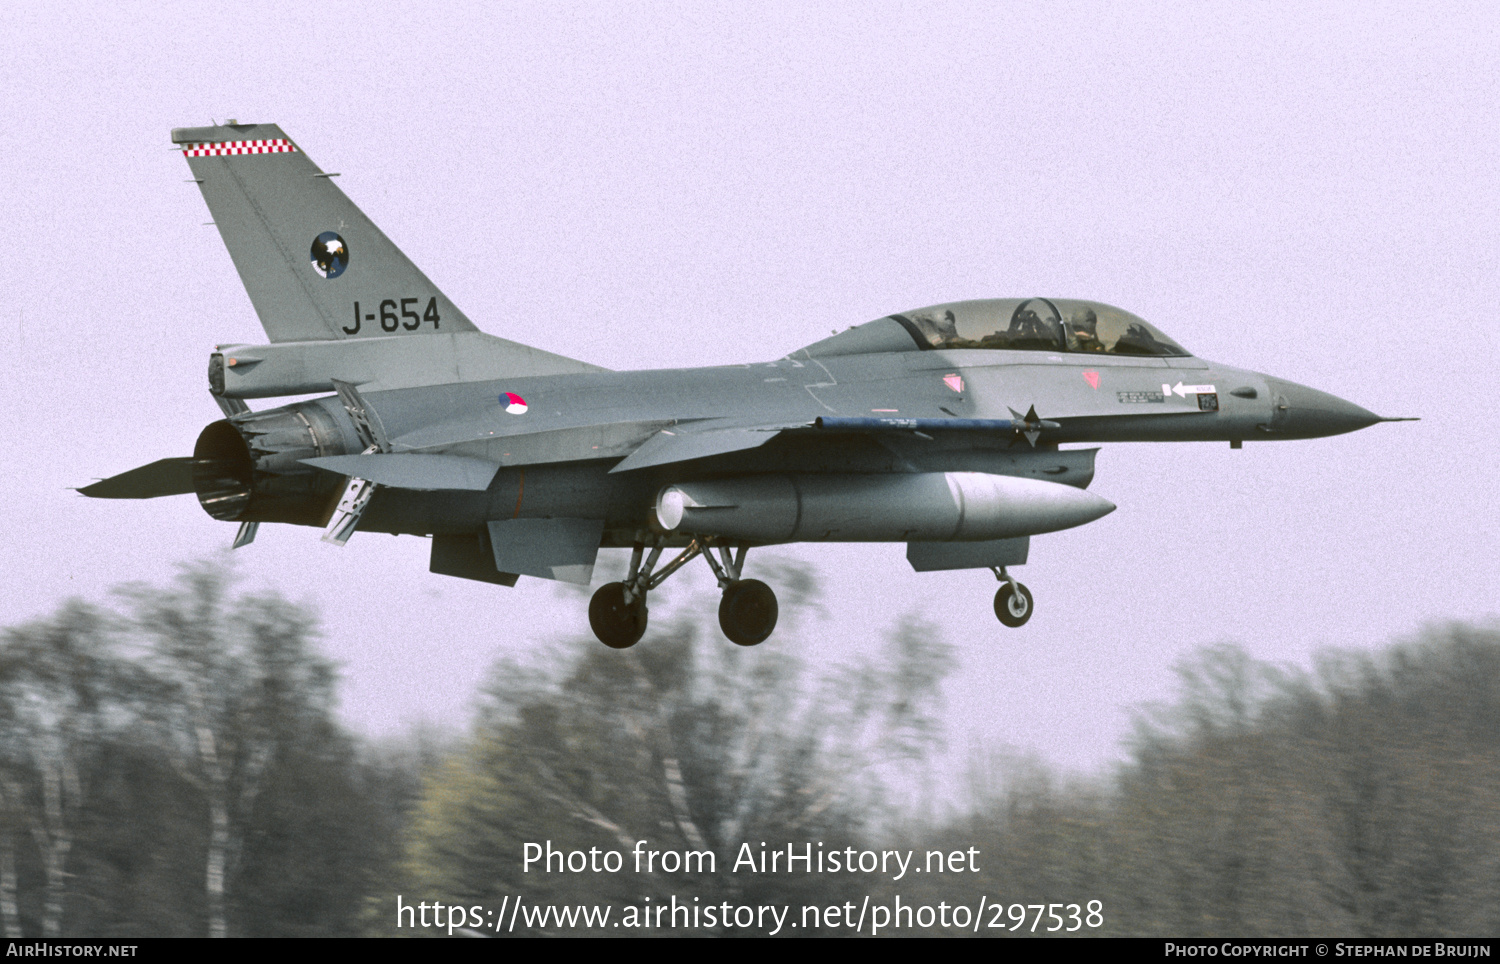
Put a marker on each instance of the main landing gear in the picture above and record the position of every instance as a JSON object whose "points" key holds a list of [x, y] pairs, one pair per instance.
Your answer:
{"points": [[1013, 603], [747, 611], [617, 616]]}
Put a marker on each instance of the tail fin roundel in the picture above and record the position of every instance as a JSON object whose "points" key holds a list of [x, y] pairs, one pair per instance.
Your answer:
{"points": [[315, 267]]}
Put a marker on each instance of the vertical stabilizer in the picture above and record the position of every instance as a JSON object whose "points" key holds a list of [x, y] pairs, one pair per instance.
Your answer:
{"points": [[315, 267]]}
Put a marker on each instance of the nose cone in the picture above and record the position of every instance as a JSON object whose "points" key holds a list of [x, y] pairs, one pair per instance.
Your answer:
{"points": [[1301, 412]]}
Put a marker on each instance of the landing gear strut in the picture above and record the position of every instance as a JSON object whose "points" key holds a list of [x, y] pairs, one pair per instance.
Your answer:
{"points": [[1013, 603], [617, 613], [747, 611]]}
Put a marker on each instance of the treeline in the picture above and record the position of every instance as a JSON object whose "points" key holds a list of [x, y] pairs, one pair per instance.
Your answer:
{"points": [[1361, 799], [173, 766], [680, 744], [177, 771]]}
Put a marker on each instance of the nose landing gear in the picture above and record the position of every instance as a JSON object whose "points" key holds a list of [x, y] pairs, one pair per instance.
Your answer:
{"points": [[1013, 603]]}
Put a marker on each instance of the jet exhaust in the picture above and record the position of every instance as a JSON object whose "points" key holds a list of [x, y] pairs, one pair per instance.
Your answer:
{"points": [[247, 468], [925, 506]]}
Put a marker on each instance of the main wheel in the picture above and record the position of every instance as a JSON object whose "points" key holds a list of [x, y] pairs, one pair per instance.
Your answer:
{"points": [[618, 624], [1013, 608], [748, 612]]}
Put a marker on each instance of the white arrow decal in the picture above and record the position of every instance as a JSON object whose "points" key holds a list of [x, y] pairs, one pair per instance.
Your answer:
{"points": [[1183, 391]]}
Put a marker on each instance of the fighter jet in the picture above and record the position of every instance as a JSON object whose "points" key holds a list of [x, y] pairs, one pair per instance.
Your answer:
{"points": [[941, 427]]}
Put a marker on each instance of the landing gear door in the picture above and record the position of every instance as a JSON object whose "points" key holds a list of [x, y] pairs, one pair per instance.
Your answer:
{"points": [[941, 556]]}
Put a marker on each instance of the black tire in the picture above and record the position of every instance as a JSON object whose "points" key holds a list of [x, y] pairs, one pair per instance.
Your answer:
{"points": [[1013, 609], [618, 624], [748, 612]]}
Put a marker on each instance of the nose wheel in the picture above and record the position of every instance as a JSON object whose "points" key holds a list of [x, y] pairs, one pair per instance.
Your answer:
{"points": [[1013, 604]]}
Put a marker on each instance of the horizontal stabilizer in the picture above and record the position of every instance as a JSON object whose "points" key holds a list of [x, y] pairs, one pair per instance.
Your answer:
{"points": [[162, 477], [411, 471], [683, 443]]}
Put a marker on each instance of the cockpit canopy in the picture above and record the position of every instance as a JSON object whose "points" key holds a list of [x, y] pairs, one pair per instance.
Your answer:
{"points": [[1012, 324]]}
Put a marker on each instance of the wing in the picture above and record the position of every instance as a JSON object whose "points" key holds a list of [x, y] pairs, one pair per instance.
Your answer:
{"points": [[698, 440], [638, 443]]}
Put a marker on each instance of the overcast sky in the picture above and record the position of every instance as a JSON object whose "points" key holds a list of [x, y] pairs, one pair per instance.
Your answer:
{"points": [[1305, 190]]}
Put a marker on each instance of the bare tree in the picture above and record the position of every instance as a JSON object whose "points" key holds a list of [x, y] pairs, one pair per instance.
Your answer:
{"points": [[677, 744], [58, 691], [235, 681]]}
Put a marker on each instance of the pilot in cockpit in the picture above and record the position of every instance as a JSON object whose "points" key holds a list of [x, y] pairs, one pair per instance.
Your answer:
{"points": [[1083, 332], [939, 332]]}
